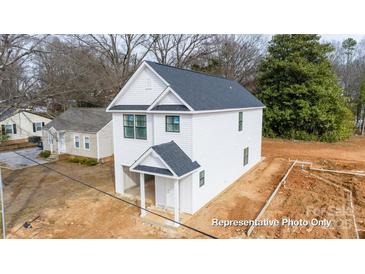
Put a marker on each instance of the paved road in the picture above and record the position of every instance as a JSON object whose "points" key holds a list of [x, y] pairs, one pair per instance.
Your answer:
{"points": [[14, 161]]}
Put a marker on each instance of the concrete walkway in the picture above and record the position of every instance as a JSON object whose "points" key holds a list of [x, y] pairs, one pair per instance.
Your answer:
{"points": [[12, 160]]}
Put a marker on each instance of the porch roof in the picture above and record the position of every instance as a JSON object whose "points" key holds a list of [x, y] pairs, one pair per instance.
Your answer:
{"points": [[151, 169], [177, 162]]}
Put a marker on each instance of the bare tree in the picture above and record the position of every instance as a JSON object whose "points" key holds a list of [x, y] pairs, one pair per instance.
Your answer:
{"points": [[16, 53], [348, 60], [122, 52], [240, 55], [180, 50]]}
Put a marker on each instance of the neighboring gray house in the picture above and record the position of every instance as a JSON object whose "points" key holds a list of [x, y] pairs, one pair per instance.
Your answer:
{"points": [[84, 132]]}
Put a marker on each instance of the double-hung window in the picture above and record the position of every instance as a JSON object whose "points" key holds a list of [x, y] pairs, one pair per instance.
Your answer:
{"points": [[8, 129], [87, 142], [37, 126], [141, 127], [128, 122], [172, 123], [77, 141], [245, 156], [135, 126], [240, 121]]}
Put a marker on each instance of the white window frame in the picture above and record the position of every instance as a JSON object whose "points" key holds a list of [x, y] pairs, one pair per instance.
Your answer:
{"points": [[36, 126], [88, 142], [78, 136]]}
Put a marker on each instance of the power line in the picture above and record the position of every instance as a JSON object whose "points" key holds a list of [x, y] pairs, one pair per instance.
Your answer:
{"points": [[115, 197]]}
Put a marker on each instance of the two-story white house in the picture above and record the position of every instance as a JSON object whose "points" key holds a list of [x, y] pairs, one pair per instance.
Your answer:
{"points": [[194, 133]]}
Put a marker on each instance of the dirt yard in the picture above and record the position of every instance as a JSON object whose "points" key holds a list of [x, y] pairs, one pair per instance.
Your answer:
{"points": [[65, 209], [62, 208], [302, 197], [352, 150]]}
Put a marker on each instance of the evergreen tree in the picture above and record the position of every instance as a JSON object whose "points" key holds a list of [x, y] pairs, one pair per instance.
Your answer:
{"points": [[300, 90]]}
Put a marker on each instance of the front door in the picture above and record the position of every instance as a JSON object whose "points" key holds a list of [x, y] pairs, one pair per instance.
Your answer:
{"points": [[62, 142]]}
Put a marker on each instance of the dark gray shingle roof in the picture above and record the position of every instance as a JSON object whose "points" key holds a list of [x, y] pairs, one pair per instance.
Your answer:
{"points": [[6, 112], [171, 107], [206, 92], [163, 171], [81, 120], [129, 107], [175, 158]]}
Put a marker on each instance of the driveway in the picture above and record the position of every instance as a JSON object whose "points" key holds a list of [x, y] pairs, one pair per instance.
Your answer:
{"points": [[14, 161]]}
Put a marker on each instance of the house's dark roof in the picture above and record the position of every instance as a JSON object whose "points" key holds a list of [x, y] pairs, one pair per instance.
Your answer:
{"points": [[81, 120], [7, 112], [163, 171], [206, 92], [129, 107], [171, 107], [175, 158]]}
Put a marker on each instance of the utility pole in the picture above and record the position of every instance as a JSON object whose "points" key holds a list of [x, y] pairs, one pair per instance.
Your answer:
{"points": [[2, 206]]}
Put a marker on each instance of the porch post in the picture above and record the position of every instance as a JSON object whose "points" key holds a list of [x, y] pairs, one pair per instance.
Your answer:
{"points": [[143, 200], [176, 202]]}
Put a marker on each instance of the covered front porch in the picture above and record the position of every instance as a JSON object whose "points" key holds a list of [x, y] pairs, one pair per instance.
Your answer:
{"points": [[171, 195], [172, 170]]}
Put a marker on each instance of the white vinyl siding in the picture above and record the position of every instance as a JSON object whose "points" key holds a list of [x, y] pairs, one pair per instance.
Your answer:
{"points": [[218, 147], [138, 92], [105, 141]]}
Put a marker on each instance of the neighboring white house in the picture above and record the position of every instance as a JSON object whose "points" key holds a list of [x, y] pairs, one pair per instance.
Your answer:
{"points": [[84, 132], [195, 133], [20, 124]]}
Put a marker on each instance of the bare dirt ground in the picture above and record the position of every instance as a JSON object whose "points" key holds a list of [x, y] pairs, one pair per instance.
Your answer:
{"points": [[242, 200], [67, 209], [64, 209], [352, 150], [302, 197]]}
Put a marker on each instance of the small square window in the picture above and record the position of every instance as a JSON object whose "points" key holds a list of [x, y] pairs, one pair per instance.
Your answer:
{"points": [[172, 123], [38, 126], [201, 178], [8, 129]]}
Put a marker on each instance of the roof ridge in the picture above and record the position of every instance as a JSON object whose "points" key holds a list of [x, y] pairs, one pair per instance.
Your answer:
{"points": [[193, 71]]}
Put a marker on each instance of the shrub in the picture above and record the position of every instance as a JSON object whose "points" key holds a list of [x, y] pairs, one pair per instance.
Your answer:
{"points": [[83, 160], [4, 137], [45, 154]]}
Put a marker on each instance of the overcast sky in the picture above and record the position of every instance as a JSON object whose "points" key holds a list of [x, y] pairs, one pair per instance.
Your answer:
{"points": [[341, 37]]}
